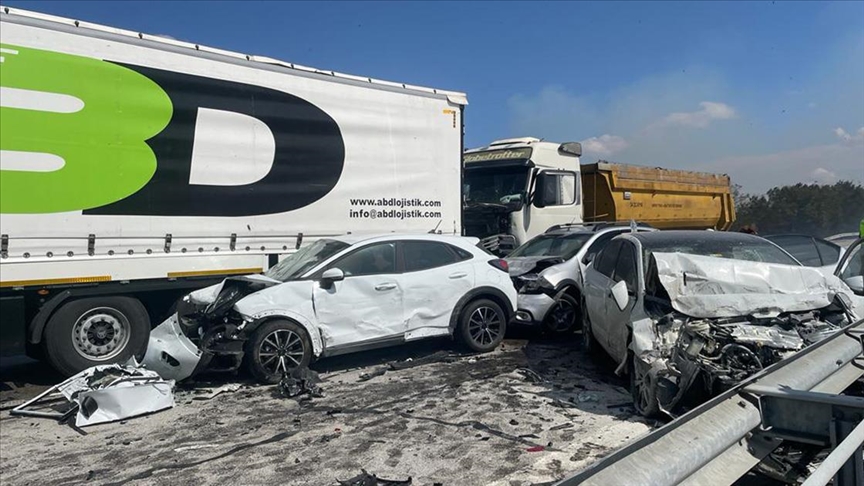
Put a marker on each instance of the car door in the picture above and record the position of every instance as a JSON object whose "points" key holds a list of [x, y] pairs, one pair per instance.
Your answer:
{"points": [[598, 285], [618, 320], [367, 305], [436, 275]]}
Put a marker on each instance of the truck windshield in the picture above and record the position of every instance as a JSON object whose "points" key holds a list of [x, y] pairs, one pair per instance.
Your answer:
{"points": [[564, 246], [495, 185], [295, 265]]}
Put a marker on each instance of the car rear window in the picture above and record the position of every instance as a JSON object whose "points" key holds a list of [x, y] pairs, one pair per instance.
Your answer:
{"points": [[558, 245]]}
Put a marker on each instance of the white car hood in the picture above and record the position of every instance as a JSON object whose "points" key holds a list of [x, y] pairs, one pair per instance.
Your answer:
{"points": [[710, 287], [208, 294]]}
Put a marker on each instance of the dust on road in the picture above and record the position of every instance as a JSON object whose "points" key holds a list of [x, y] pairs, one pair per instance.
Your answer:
{"points": [[530, 412]]}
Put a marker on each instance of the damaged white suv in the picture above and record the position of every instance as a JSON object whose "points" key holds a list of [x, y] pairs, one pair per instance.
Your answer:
{"points": [[695, 312], [337, 296]]}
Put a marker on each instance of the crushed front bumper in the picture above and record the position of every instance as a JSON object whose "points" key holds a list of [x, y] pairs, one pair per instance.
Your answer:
{"points": [[531, 309]]}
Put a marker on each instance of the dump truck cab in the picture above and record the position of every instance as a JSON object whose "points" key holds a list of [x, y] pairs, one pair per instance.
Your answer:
{"points": [[517, 188]]}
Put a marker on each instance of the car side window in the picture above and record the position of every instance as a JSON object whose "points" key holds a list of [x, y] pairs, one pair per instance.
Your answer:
{"points": [[599, 243], [625, 267], [605, 262], [374, 259], [460, 253], [423, 255], [855, 263], [829, 252], [801, 247]]}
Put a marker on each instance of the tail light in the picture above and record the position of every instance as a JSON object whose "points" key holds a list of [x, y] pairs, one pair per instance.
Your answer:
{"points": [[500, 265]]}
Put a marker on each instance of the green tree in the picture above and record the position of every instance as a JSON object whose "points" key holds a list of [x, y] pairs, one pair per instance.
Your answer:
{"points": [[818, 210]]}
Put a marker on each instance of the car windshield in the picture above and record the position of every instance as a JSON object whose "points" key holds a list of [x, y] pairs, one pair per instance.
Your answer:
{"points": [[750, 249], [565, 246], [499, 185], [295, 265]]}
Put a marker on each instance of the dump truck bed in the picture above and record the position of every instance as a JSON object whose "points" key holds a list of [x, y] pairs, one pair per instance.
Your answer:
{"points": [[663, 198]]}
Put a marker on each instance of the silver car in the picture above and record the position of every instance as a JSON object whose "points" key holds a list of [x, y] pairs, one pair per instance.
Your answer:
{"points": [[547, 272], [694, 312]]}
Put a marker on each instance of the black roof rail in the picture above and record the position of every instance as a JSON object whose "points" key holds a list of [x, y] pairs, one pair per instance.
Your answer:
{"points": [[596, 226]]}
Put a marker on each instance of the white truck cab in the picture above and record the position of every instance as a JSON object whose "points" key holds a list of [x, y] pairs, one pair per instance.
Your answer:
{"points": [[517, 188]]}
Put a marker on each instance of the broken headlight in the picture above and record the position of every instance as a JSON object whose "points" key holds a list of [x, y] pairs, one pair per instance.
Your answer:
{"points": [[533, 283]]}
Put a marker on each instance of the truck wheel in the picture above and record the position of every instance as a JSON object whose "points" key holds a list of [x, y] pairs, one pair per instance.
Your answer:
{"points": [[561, 318], [97, 330], [276, 347], [482, 325]]}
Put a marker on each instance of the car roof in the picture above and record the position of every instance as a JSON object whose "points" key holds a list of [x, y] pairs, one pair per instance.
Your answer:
{"points": [[671, 236], [353, 239], [589, 228]]}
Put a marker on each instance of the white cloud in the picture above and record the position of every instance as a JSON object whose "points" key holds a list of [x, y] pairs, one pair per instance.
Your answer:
{"points": [[823, 164], [701, 118], [848, 137], [604, 145], [823, 176]]}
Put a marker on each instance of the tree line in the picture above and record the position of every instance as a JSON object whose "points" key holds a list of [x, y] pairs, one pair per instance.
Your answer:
{"points": [[812, 209]]}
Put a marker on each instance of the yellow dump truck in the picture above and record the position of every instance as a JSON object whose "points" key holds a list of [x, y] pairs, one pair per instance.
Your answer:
{"points": [[663, 198], [515, 189]]}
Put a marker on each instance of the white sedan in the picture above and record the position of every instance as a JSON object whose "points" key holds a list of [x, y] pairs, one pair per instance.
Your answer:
{"points": [[337, 296]]}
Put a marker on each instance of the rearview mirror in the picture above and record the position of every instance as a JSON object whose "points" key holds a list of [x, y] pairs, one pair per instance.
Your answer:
{"points": [[331, 275], [620, 294], [589, 258]]}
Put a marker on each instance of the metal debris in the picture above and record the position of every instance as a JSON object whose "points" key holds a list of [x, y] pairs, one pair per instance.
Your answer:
{"points": [[300, 381], [366, 479]]}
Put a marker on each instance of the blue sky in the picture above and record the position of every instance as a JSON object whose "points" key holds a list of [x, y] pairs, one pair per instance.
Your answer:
{"points": [[771, 93]]}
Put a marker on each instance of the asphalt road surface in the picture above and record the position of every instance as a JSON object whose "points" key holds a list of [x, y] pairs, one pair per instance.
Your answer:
{"points": [[533, 411]]}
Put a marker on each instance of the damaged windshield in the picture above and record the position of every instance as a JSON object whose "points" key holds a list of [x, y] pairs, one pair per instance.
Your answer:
{"points": [[565, 246], [298, 263], [495, 185], [715, 244]]}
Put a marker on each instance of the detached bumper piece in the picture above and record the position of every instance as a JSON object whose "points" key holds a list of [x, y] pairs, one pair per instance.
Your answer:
{"points": [[104, 393]]}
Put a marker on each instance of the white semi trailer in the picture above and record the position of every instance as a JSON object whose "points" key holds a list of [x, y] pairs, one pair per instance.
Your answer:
{"points": [[134, 168]]}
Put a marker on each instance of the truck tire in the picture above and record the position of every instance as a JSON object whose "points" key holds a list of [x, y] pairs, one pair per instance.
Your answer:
{"points": [[94, 331], [277, 347], [482, 325]]}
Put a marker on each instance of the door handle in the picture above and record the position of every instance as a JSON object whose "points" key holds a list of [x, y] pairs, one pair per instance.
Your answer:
{"points": [[385, 286], [458, 275]]}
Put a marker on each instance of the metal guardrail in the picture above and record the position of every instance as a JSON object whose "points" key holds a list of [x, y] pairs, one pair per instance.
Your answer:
{"points": [[721, 440]]}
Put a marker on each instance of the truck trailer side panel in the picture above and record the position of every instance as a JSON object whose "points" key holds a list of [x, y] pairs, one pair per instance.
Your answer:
{"points": [[131, 159]]}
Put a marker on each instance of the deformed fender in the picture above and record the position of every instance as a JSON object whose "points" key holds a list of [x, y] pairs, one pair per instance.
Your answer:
{"points": [[310, 327], [477, 293]]}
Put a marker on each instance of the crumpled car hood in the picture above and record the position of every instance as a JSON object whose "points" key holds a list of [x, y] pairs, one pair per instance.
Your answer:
{"points": [[711, 287], [522, 265], [208, 294]]}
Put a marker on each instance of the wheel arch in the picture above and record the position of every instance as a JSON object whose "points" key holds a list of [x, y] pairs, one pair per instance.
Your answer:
{"points": [[491, 293], [311, 329]]}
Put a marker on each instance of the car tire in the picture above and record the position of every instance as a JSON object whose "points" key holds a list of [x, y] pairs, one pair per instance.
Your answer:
{"points": [[643, 388], [482, 325], [589, 344], [94, 331], [562, 316], [277, 347]]}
